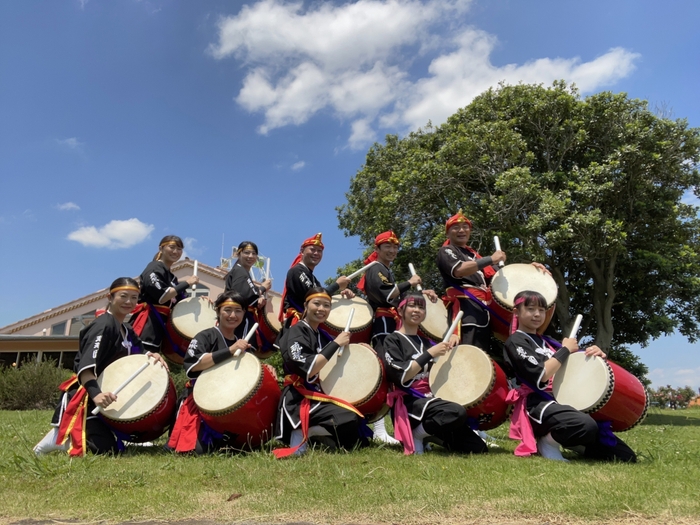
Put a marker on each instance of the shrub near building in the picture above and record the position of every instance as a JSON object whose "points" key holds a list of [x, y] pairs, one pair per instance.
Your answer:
{"points": [[32, 386]]}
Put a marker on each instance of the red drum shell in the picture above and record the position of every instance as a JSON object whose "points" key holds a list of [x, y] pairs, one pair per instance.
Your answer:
{"points": [[493, 411], [174, 346], [252, 422], [152, 426], [627, 406]]}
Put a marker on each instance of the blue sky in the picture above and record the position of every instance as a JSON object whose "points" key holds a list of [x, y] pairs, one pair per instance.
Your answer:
{"points": [[124, 121]]}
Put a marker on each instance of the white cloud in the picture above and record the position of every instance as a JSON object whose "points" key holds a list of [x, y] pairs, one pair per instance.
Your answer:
{"points": [[298, 165], [71, 143], [83, 3], [67, 206], [190, 250], [355, 60], [113, 235]]}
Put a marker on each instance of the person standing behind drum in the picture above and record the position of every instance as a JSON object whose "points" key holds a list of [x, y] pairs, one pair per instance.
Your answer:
{"points": [[300, 279], [252, 294], [305, 351], [208, 348], [160, 290], [102, 342], [466, 275], [537, 415], [383, 294], [417, 414]]}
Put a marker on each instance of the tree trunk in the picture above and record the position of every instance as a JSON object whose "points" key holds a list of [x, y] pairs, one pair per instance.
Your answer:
{"points": [[603, 299]]}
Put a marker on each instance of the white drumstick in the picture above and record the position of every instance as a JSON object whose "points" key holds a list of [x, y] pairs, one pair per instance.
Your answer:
{"points": [[347, 329], [577, 323], [267, 269], [121, 387], [194, 286], [497, 243], [361, 270], [453, 327], [247, 338], [413, 272]]}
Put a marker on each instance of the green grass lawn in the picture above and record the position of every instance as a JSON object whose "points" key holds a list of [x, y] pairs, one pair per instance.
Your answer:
{"points": [[374, 485]]}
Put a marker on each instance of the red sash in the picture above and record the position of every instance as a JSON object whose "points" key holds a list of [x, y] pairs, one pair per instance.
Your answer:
{"points": [[309, 395], [73, 419], [186, 428], [139, 315], [388, 312], [452, 296]]}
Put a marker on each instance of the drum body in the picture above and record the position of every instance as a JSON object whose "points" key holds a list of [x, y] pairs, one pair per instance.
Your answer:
{"points": [[469, 377], [507, 283], [239, 396], [357, 377], [436, 321], [144, 409], [188, 317], [271, 325], [361, 327], [602, 389]]}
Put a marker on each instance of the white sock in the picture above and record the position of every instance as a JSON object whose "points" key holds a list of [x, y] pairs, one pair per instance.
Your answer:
{"points": [[380, 433], [295, 439], [48, 443], [549, 449]]}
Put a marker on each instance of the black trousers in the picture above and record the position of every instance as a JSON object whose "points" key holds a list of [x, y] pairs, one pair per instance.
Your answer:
{"points": [[475, 314], [571, 428], [448, 422], [342, 425]]}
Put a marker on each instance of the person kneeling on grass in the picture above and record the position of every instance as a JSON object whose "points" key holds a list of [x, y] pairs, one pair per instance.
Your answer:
{"points": [[535, 362], [416, 413]]}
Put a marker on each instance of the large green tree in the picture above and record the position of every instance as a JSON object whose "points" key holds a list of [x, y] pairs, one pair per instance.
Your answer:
{"points": [[592, 187]]}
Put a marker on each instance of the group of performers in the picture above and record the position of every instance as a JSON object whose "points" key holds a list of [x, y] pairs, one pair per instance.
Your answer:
{"points": [[305, 413]]}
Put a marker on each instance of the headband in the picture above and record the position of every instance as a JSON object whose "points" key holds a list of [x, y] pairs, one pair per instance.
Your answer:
{"points": [[168, 243], [231, 302], [248, 247], [319, 294], [125, 287]]}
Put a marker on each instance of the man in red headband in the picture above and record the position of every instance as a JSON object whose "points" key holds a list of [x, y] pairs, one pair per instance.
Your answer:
{"points": [[467, 275], [383, 294], [301, 278]]}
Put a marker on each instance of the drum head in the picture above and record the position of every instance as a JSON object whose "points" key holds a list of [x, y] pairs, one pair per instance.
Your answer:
{"points": [[272, 312], [340, 310], [435, 325], [583, 382], [354, 376], [464, 376], [192, 315], [228, 385], [515, 278], [142, 395]]}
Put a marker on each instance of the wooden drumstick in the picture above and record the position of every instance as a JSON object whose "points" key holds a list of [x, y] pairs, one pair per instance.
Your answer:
{"points": [[347, 329], [577, 324], [361, 270], [194, 286], [247, 338], [412, 269], [497, 243], [121, 387]]}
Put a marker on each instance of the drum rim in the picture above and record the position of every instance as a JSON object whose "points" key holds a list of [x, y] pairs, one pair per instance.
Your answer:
{"points": [[487, 391], [643, 416], [376, 387], [602, 401], [275, 329], [509, 307], [428, 334], [352, 330], [242, 402], [171, 318]]}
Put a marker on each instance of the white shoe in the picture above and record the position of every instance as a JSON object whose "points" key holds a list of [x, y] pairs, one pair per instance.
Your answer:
{"points": [[48, 443], [550, 449], [380, 433], [419, 435]]}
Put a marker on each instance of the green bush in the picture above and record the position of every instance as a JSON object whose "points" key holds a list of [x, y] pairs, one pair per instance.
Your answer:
{"points": [[32, 386]]}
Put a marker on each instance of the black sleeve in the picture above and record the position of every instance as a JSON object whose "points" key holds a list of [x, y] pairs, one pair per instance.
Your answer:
{"points": [[379, 285], [398, 355], [239, 280], [98, 343], [155, 281], [298, 283], [300, 350], [527, 363], [205, 342]]}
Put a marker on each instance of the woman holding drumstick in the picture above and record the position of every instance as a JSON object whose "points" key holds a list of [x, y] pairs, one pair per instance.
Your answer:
{"points": [[102, 342], [306, 350], [417, 414], [537, 416]]}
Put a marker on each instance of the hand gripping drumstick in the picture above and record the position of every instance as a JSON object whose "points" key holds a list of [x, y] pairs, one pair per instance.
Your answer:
{"points": [[247, 338], [194, 286], [361, 270], [497, 243], [413, 272], [347, 329], [452, 329], [121, 387], [577, 323]]}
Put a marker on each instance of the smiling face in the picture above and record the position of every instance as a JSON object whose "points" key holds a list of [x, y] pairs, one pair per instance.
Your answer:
{"points": [[530, 318], [170, 254], [248, 258], [317, 310], [413, 314], [230, 316], [459, 234], [311, 256], [387, 252], [122, 302]]}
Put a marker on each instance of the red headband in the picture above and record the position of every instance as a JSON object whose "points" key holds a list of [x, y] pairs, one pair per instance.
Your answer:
{"points": [[457, 219]]}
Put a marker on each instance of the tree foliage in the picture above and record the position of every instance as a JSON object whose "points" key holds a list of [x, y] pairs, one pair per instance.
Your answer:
{"points": [[591, 187]]}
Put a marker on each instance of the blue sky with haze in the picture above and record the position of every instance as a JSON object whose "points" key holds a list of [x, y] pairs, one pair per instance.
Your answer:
{"points": [[126, 120]]}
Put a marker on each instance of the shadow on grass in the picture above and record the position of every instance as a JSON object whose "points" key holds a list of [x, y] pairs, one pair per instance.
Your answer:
{"points": [[680, 418]]}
